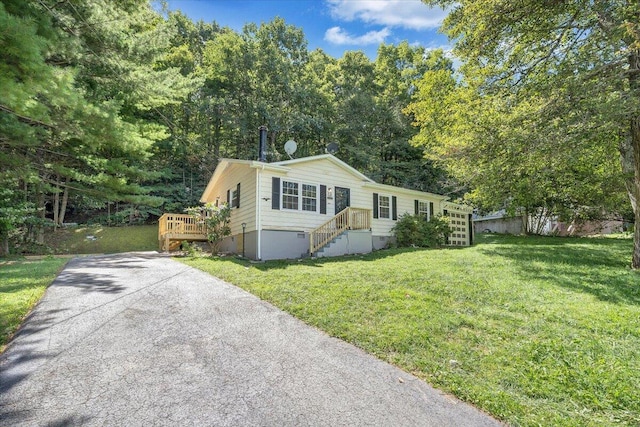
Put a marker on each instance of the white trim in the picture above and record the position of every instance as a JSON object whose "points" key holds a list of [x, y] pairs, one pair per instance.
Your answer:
{"points": [[223, 164], [399, 190], [329, 157], [258, 211], [457, 208]]}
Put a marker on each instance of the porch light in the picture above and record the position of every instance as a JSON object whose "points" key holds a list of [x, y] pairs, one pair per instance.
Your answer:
{"points": [[330, 193]]}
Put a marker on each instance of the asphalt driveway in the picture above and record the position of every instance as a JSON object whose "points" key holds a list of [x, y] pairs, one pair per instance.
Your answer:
{"points": [[141, 340]]}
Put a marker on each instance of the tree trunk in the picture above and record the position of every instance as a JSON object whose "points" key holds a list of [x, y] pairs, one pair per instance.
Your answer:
{"points": [[633, 145], [63, 205], [42, 214], [634, 194], [56, 204], [4, 246]]}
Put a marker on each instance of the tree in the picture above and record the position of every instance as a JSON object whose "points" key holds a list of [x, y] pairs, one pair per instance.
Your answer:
{"points": [[216, 220], [577, 63], [80, 89], [518, 155], [398, 69]]}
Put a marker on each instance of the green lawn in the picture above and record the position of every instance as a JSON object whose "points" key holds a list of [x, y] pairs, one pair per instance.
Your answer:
{"points": [[100, 239], [534, 330], [22, 284]]}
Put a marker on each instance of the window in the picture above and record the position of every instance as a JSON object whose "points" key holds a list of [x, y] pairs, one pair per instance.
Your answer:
{"points": [[384, 205], [309, 197], [423, 209], [234, 198], [297, 196], [289, 195]]}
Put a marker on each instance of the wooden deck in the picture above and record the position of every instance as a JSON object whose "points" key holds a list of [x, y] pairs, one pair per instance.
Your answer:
{"points": [[176, 228]]}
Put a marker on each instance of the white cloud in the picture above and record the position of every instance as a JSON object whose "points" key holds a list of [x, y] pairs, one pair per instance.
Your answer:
{"points": [[448, 53], [337, 35], [412, 14]]}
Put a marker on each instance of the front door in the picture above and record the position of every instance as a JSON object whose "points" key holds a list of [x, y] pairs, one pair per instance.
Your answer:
{"points": [[343, 199]]}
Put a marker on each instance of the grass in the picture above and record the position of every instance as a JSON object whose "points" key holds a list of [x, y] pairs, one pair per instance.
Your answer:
{"points": [[534, 330], [100, 239], [22, 283]]}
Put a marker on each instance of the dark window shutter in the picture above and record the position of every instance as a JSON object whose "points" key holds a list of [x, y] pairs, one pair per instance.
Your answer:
{"points": [[323, 199], [229, 198], [445, 213], [275, 193], [415, 204], [375, 205], [430, 210], [237, 196], [394, 207], [470, 231]]}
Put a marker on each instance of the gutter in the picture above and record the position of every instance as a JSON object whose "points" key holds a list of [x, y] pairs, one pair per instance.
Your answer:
{"points": [[393, 189]]}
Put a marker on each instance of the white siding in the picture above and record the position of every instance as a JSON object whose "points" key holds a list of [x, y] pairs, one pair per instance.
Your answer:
{"points": [[405, 205], [321, 172], [324, 172], [231, 176]]}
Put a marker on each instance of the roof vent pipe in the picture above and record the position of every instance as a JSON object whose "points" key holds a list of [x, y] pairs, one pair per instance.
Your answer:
{"points": [[262, 151]]}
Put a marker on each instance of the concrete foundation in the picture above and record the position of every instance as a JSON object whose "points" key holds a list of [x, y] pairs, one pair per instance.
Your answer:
{"points": [[350, 242]]}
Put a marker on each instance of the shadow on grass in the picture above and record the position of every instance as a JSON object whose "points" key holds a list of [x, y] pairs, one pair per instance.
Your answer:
{"points": [[599, 266], [319, 262]]}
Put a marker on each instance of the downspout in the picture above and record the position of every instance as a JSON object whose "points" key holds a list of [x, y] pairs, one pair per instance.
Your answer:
{"points": [[259, 212]]}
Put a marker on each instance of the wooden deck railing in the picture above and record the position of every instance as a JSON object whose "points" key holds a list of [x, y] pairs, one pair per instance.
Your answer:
{"points": [[179, 227], [348, 219]]}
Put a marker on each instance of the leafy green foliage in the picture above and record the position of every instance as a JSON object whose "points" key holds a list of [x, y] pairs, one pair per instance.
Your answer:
{"points": [[115, 105], [534, 330], [216, 220], [542, 110], [416, 230], [81, 81]]}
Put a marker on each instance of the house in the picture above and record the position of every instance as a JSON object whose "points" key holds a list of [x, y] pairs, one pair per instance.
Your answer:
{"points": [[317, 206], [501, 222], [498, 222]]}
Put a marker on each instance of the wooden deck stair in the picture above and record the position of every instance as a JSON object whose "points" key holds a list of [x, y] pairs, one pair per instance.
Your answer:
{"points": [[348, 219], [176, 228]]}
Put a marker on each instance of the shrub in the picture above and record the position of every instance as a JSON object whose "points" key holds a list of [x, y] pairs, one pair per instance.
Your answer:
{"points": [[216, 219], [190, 248], [415, 230]]}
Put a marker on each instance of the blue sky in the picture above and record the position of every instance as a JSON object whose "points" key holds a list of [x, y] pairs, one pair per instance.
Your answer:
{"points": [[332, 25]]}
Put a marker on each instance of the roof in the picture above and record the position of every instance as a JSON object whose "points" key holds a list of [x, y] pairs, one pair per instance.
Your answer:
{"points": [[285, 166], [502, 213], [392, 188], [223, 164]]}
